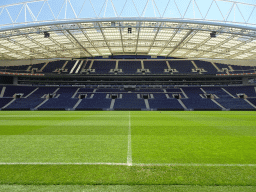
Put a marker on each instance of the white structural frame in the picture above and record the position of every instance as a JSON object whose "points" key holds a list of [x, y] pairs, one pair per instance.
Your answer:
{"points": [[187, 10]]}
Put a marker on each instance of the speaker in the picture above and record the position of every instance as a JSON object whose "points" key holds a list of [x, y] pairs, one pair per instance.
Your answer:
{"points": [[46, 35], [213, 34]]}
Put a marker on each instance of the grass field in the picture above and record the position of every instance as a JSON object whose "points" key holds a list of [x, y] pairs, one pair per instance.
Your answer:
{"points": [[128, 148]]}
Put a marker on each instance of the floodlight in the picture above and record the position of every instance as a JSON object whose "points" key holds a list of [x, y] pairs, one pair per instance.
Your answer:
{"points": [[213, 34], [46, 35]]}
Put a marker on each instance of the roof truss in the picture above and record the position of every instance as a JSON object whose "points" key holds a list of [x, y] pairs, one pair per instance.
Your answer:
{"points": [[111, 37]]}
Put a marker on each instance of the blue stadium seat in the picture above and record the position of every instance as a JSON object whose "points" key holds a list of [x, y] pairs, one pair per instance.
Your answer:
{"points": [[129, 101], [200, 104], [4, 101], [155, 67], [161, 102], [129, 67], [98, 102], [182, 66], [103, 67]]}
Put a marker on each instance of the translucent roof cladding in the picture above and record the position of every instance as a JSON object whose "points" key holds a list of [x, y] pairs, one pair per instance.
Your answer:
{"points": [[22, 12], [159, 37]]}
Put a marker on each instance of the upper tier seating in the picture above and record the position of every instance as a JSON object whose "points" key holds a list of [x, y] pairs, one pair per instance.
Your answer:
{"points": [[155, 67], [91, 66], [19, 68], [35, 66], [69, 65], [248, 69], [221, 66], [103, 67], [129, 67], [207, 66], [182, 66], [51, 66], [237, 68]]}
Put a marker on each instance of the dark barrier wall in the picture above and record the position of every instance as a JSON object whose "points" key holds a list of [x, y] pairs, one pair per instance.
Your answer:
{"points": [[6, 80]]}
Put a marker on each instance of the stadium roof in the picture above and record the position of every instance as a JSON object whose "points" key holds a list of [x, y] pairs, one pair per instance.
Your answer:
{"points": [[103, 34]]}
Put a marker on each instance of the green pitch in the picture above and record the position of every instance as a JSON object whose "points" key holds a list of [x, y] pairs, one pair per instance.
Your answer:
{"points": [[128, 148]]}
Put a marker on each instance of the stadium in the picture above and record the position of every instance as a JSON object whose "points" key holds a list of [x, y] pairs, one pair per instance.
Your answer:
{"points": [[108, 95]]}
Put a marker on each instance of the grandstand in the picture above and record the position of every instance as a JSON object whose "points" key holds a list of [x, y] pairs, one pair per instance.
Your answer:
{"points": [[86, 60], [130, 84]]}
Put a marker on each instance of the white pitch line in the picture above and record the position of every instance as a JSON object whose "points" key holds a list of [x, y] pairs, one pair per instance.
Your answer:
{"points": [[134, 164], [59, 163], [195, 165], [129, 151]]}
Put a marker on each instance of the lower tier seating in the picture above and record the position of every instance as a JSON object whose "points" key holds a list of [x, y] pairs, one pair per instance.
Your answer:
{"points": [[160, 102], [234, 104], [97, 102], [4, 101], [200, 104], [25, 103], [129, 101], [58, 104], [110, 98]]}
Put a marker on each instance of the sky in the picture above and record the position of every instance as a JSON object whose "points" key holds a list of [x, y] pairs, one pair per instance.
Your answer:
{"points": [[125, 8]]}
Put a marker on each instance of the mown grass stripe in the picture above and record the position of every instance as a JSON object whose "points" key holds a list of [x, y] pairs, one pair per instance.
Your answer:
{"points": [[128, 164], [129, 152]]}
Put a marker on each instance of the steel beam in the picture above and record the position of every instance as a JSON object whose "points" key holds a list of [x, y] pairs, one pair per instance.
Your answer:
{"points": [[71, 37], [182, 42]]}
